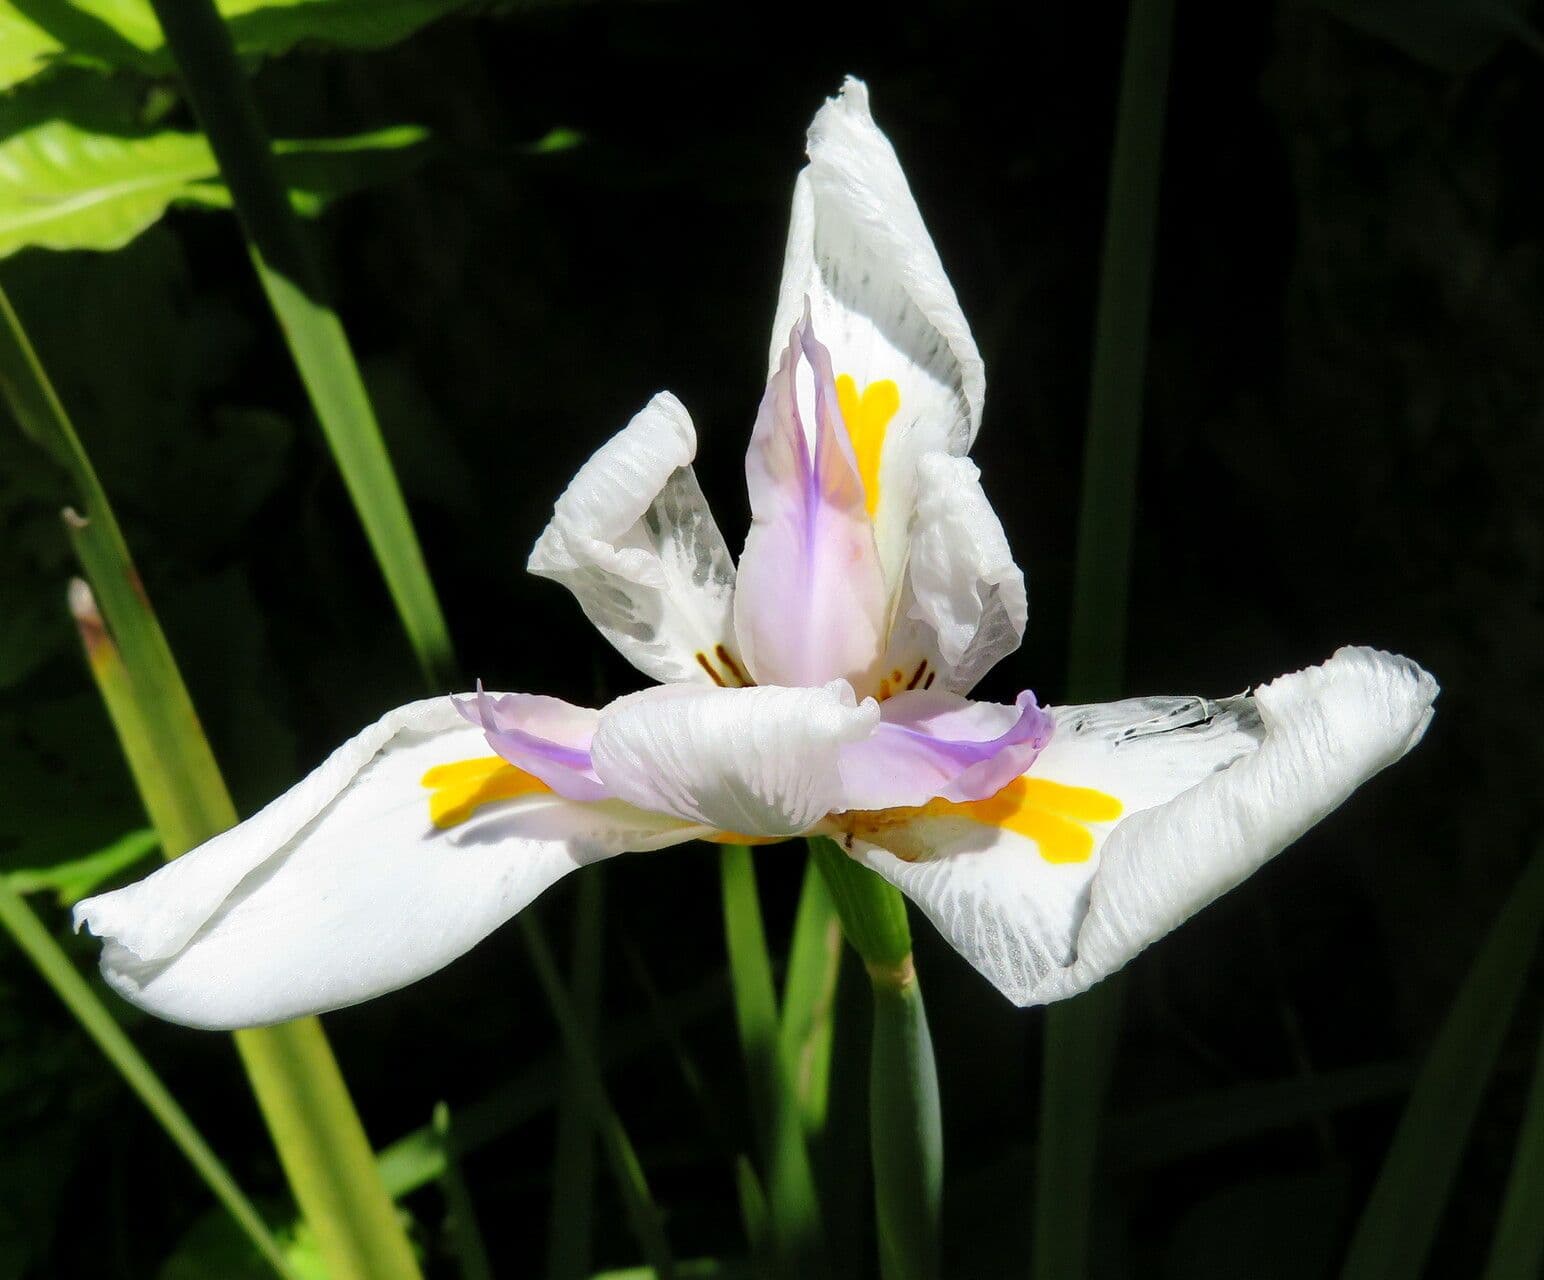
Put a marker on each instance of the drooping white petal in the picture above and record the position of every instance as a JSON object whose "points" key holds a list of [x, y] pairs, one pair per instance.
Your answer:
{"points": [[1049, 886], [858, 250], [633, 539], [408, 845], [760, 762], [964, 607]]}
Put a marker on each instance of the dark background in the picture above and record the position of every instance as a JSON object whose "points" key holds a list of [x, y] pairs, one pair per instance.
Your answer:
{"points": [[1342, 445]]}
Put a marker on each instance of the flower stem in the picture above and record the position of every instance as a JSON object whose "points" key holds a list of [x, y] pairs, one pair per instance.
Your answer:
{"points": [[905, 1128]]}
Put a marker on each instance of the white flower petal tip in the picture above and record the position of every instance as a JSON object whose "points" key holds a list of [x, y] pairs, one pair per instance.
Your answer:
{"points": [[632, 537], [1139, 813], [908, 372], [406, 847]]}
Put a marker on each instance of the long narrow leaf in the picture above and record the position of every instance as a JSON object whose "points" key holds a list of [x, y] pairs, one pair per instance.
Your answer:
{"points": [[573, 1169], [1402, 1214], [51, 962], [807, 1022], [300, 1091], [206, 58], [632, 1184], [1081, 1034], [1517, 1249], [461, 1221], [792, 1202]]}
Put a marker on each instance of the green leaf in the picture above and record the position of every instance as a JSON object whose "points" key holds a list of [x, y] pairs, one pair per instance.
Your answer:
{"points": [[66, 187], [299, 1087], [125, 33], [809, 998], [1081, 1034], [792, 1203], [71, 881], [1405, 1208], [1455, 36], [1517, 1249], [571, 1216]]}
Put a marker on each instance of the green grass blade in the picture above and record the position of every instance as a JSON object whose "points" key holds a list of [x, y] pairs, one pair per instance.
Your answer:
{"points": [[647, 1222], [808, 1020], [206, 58], [1402, 1214], [460, 1219], [315, 1128], [905, 1133], [1073, 1082], [573, 1171], [54, 965], [1517, 1249], [792, 1202], [80, 877]]}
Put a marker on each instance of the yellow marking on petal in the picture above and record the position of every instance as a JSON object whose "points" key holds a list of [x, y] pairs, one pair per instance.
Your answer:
{"points": [[1052, 814], [867, 418], [734, 837], [458, 790]]}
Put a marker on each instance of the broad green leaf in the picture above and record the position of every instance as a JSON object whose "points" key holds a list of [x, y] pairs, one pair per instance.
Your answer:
{"points": [[64, 187], [71, 881], [125, 33]]}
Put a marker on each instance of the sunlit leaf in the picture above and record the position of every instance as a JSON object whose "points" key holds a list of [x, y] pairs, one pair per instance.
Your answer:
{"points": [[124, 33], [64, 187], [71, 881]]}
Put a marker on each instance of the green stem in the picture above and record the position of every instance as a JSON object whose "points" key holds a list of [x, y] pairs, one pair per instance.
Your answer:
{"points": [[310, 1115], [54, 965], [1081, 1034], [905, 1129], [205, 55]]}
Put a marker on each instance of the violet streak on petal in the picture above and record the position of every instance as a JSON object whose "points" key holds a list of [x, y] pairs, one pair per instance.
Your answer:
{"points": [[546, 737], [811, 605], [936, 744]]}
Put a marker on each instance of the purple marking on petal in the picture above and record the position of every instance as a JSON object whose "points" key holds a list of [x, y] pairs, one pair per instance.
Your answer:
{"points": [[547, 737], [934, 744], [811, 603]]}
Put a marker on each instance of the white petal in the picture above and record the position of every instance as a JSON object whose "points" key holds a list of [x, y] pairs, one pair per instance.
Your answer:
{"points": [[964, 606], [760, 762], [858, 249], [633, 539], [1210, 792], [344, 887]]}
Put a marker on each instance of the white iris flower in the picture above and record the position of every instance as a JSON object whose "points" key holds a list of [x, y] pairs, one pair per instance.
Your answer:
{"points": [[821, 688]]}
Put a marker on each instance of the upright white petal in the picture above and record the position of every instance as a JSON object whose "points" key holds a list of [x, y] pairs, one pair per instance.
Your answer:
{"points": [[372, 872], [879, 298], [761, 762], [964, 605], [633, 539], [1199, 794]]}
